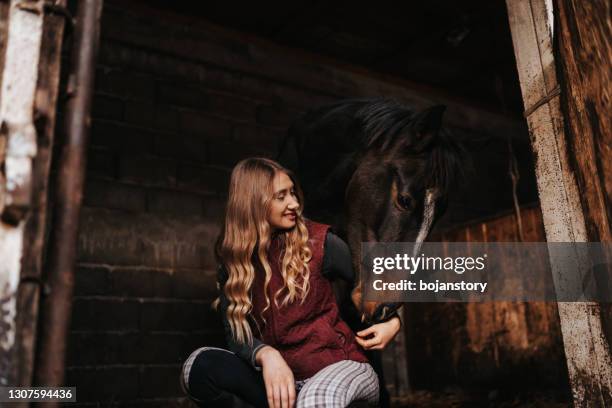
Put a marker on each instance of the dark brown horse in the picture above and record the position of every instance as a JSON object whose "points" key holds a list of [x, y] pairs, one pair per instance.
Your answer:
{"points": [[376, 170]]}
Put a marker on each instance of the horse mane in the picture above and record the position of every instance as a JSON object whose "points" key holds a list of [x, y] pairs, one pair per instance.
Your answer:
{"points": [[355, 126], [382, 121], [385, 121]]}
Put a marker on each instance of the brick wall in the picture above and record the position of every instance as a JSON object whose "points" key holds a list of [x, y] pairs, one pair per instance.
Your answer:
{"points": [[177, 104]]}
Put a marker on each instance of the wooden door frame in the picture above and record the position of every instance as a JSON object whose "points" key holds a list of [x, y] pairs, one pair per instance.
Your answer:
{"points": [[30, 76], [587, 352]]}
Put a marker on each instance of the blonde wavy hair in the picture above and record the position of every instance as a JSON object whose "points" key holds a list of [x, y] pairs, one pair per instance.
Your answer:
{"points": [[245, 238]]}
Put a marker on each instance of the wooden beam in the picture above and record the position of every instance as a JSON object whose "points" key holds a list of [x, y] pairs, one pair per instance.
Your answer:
{"points": [[45, 103], [584, 45], [17, 130], [585, 75], [587, 353], [56, 310]]}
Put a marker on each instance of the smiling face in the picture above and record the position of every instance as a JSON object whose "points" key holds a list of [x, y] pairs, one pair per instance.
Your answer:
{"points": [[284, 205]]}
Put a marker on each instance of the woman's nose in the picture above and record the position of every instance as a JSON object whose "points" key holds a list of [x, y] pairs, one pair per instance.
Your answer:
{"points": [[293, 204]]}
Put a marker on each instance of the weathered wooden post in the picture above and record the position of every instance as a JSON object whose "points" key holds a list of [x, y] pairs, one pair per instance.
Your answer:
{"points": [[57, 305], [584, 69], [47, 91], [565, 172], [27, 99]]}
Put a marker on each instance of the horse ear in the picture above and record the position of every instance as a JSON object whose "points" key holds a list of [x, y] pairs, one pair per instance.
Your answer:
{"points": [[427, 124]]}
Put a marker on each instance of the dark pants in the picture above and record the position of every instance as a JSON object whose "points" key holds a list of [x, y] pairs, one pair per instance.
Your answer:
{"points": [[216, 374]]}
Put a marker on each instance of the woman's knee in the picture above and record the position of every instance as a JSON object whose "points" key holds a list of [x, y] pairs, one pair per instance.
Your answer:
{"points": [[213, 376], [340, 384], [209, 357], [322, 396], [200, 371]]}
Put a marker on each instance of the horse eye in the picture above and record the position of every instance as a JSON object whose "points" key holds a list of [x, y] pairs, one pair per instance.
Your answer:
{"points": [[404, 201]]}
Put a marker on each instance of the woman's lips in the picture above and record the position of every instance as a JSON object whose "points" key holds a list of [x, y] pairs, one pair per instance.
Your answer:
{"points": [[292, 216]]}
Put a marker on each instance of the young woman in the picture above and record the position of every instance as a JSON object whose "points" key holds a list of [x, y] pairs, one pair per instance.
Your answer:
{"points": [[287, 343]]}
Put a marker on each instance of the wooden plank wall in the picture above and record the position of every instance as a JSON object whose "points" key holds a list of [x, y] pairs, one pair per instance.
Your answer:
{"points": [[585, 77], [496, 345]]}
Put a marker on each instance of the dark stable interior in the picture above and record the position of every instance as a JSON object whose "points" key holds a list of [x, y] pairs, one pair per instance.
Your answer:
{"points": [[182, 94]]}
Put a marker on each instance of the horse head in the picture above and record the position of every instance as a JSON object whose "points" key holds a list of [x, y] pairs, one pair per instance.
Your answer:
{"points": [[380, 168]]}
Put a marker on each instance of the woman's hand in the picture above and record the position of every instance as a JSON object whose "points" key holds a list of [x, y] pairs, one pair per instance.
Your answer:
{"points": [[382, 334], [278, 377]]}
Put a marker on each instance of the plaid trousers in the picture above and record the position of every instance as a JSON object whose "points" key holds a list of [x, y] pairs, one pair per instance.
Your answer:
{"points": [[335, 386], [338, 384]]}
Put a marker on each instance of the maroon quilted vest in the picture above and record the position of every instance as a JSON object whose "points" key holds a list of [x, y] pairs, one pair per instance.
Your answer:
{"points": [[309, 336]]}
